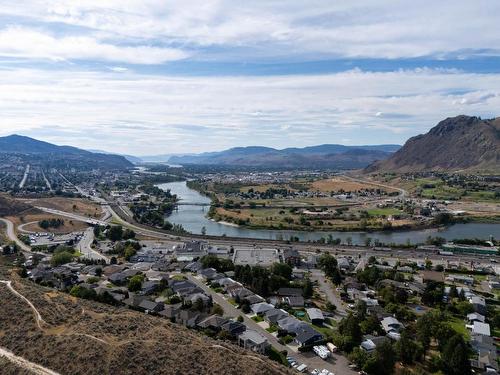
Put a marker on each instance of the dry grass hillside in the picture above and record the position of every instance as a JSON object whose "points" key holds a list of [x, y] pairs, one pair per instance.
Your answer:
{"points": [[82, 337]]}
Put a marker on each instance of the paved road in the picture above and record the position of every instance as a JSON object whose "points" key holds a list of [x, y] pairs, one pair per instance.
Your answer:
{"points": [[25, 176], [86, 249], [327, 288], [402, 192], [338, 365], [12, 236]]}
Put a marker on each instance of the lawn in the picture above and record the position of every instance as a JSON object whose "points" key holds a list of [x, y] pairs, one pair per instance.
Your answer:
{"points": [[458, 325], [257, 318]]}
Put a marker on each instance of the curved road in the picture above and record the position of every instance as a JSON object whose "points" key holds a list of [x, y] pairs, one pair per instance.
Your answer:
{"points": [[12, 235]]}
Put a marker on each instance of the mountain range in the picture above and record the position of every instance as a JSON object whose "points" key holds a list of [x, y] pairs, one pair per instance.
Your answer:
{"points": [[461, 143], [53, 155], [322, 156]]}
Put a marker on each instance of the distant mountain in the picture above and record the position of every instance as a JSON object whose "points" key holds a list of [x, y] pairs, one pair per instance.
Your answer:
{"points": [[323, 156], [456, 143], [131, 158], [60, 156], [164, 158]]}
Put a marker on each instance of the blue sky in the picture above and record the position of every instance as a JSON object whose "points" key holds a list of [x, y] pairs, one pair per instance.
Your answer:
{"points": [[152, 77]]}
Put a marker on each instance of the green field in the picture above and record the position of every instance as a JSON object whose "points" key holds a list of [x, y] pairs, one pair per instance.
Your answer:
{"points": [[383, 211]]}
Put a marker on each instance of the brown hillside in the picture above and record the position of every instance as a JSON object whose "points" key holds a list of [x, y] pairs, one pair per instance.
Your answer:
{"points": [[457, 143], [83, 337]]}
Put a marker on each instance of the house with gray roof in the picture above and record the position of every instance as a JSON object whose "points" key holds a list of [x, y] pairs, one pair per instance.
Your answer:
{"points": [[253, 340]]}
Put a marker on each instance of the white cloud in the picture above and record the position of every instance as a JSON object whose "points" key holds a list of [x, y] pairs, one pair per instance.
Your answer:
{"points": [[274, 29], [33, 44], [145, 114]]}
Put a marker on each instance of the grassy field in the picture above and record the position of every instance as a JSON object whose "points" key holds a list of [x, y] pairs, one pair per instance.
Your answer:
{"points": [[383, 211], [78, 206], [339, 183]]}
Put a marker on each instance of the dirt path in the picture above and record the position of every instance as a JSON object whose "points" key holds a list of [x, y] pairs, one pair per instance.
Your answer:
{"points": [[25, 364], [38, 317]]}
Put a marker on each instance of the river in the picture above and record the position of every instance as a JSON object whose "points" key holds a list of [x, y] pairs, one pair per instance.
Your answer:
{"points": [[191, 214]]}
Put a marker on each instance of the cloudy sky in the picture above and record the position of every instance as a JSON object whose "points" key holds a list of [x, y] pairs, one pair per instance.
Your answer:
{"points": [[155, 76]]}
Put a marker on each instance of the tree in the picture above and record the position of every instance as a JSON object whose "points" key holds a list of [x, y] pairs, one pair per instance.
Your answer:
{"points": [[61, 257], [307, 290], [128, 234], [383, 360], [328, 264], [424, 330], [115, 233], [407, 349], [282, 269], [455, 357], [135, 283], [217, 310]]}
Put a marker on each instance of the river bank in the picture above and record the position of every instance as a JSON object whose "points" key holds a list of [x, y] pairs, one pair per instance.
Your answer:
{"points": [[193, 219]]}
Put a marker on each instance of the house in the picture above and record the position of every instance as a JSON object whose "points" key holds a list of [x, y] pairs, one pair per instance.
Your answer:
{"points": [[293, 301], [208, 273], [253, 298], [292, 257], [170, 311], [391, 324], [369, 301], [193, 298], [479, 328], [475, 317], [432, 276], [253, 340], [289, 324], [149, 287], [193, 267], [118, 278], [272, 316], [370, 342], [288, 292], [315, 316], [344, 264], [233, 328], [133, 300], [188, 318], [151, 306], [261, 308], [213, 322], [305, 335], [191, 250], [479, 304]]}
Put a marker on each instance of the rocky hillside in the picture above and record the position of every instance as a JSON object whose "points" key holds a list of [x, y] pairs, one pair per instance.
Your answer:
{"points": [[455, 144]]}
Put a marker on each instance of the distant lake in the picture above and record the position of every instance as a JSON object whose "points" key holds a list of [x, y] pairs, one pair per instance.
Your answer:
{"points": [[193, 218]]}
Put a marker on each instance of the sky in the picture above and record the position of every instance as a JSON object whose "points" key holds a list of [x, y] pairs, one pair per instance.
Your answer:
{"points": [[152, 77]]}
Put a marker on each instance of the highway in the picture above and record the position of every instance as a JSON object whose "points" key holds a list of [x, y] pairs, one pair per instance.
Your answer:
{"points": [[73, 216]]}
